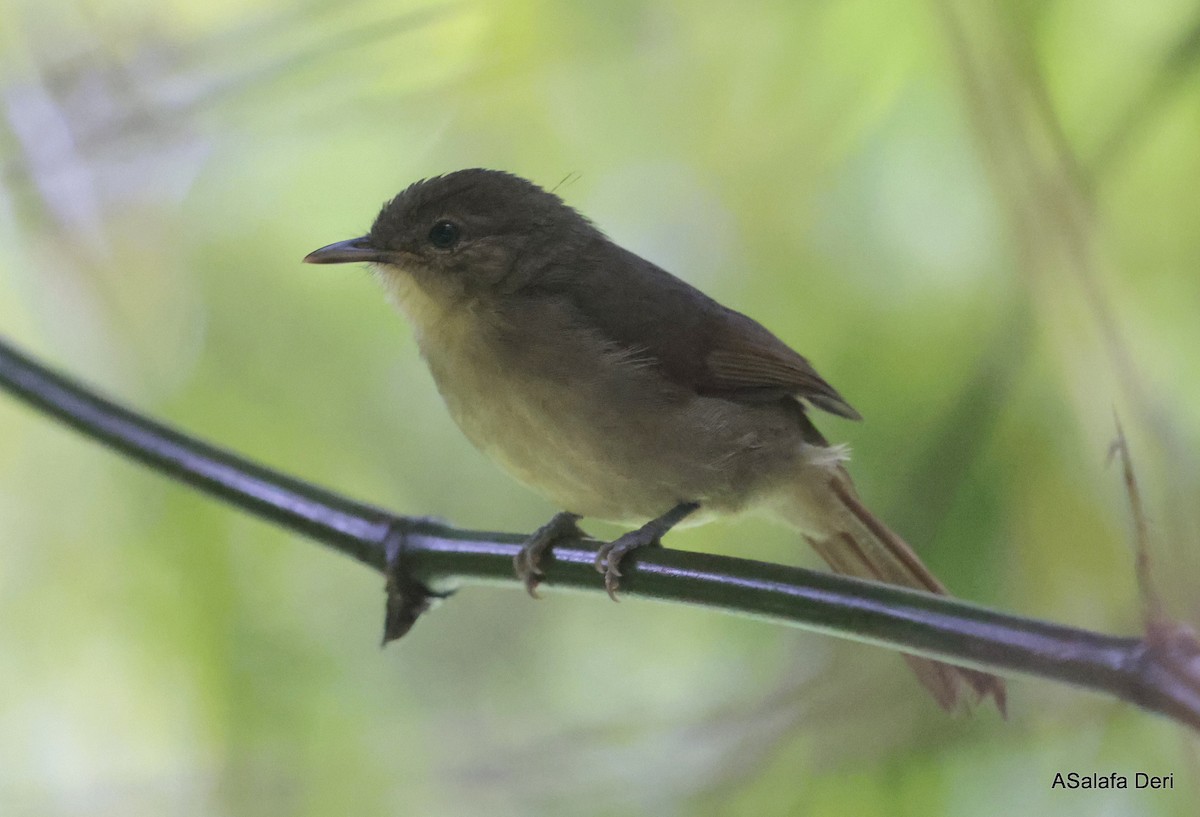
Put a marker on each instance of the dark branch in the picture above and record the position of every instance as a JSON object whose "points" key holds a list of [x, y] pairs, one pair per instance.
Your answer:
{"points": [[1160, 673]]}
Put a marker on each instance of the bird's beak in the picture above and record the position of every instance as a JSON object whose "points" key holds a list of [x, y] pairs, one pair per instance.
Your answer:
{"points": [[348, 252]]}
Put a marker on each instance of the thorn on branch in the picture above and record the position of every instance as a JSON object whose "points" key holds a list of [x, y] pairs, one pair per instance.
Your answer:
{"points": [[407, 598]]}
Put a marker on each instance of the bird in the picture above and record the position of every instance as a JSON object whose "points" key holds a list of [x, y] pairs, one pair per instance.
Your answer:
{"points": [[619, 391]]}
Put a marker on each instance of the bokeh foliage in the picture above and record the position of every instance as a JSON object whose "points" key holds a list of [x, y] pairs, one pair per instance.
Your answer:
{"points": [[978, 219]]}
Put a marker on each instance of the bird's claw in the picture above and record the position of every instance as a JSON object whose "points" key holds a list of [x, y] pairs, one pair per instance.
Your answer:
{"points": [[527, 562], [609, 556]]}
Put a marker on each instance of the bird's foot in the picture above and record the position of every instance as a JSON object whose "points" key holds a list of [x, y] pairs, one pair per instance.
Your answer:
{"points": [[527, 561], [608, 558]]}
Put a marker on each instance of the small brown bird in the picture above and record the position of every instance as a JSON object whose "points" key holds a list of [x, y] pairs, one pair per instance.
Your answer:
{"points": [[618, 391]]}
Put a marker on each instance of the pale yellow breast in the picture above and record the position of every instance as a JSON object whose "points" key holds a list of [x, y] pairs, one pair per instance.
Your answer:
{"points": [[591, 428]]}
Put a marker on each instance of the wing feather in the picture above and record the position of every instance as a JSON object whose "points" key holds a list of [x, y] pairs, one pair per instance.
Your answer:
{"points": [[695, 341]]}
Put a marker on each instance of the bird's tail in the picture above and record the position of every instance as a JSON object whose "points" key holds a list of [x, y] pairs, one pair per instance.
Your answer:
{"points": [[825, 508]]}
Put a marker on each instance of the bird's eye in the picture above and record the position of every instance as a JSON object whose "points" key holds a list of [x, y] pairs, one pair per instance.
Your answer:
{"points": [[444, 234]]}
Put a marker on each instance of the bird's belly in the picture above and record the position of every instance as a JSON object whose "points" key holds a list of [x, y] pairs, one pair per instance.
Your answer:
{"points": [[615, 442]]}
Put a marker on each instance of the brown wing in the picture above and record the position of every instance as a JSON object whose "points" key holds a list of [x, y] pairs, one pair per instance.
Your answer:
{"points": [[744, 359], [694, 340]]}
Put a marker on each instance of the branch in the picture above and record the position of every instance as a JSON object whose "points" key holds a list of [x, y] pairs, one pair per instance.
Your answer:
{"points": [[1160, 673]]}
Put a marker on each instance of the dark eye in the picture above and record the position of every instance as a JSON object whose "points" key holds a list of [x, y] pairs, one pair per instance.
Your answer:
{"points": [[444, 234]]}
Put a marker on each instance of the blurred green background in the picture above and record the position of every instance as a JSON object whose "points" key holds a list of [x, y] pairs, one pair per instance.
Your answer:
{"points": [[979, 219]]}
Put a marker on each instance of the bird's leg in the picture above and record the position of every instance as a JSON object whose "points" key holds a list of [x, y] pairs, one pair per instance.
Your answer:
{"points": [[608, 558], [526, 562]]}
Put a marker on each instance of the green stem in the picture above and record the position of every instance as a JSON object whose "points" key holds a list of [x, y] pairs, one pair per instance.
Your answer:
{"points": [[1160, 673]]}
